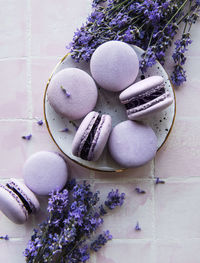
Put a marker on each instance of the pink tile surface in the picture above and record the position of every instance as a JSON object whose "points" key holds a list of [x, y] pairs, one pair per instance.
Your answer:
{"points": [[12, 251], [180, 155], [137, 207], [177, 209], [129, 252], [41, 70], [13, 16], [13, 89], [50, 25], [178, 251], [14, 149]]}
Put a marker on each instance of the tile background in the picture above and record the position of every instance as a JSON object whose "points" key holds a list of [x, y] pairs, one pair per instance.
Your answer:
{"points": [[33, 36]]}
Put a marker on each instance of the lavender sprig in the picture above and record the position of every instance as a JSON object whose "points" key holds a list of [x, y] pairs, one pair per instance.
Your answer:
{"points": [[73, 219], [151, 25]]}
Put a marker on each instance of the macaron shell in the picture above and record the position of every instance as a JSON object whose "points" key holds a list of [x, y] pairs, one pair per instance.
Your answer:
{"points": [[82, 93], [45, 172], [101, 138], [140, 87], [132, 144], [11, 207], [114, 65], [83, 131], [152, 109], [28, 193]]}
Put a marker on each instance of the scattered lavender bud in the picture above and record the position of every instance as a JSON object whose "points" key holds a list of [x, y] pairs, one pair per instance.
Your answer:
{"points": [[65, 92], [65, 130], [68, 94], [4, 237], [27, 137], [140, 191], [158, 181], [40, 122], [114, 199], [137, 227]]}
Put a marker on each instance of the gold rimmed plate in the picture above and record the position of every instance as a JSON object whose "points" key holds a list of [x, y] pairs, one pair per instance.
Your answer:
{"points": [[108, 102]]}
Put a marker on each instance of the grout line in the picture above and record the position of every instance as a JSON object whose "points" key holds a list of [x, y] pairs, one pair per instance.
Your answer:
{"points": [[153, 215], [29, 55], [29, 81]]}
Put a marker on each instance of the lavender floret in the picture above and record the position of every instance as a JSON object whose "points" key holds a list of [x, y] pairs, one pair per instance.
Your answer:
{"points": [[6, 237], [114, 199], [27, 137], [40, 122], [139, 191], [137, 227], [158, 181]]}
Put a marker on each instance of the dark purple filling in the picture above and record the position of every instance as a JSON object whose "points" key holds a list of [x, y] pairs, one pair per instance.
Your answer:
{"points": [[140, 100], [86, 147], [25, 203]]}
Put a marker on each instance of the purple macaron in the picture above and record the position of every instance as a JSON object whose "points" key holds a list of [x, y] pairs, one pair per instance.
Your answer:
{"points": [[145, 97], [91, 136], [132, 144], [17, 201], [45, 172], [114, 65], [72, 93]]}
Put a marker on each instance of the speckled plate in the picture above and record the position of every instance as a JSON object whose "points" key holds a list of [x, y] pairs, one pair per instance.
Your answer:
{"points": [[108, 102]]}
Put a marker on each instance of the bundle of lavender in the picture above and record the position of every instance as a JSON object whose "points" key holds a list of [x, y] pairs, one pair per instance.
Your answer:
{"points": [[68, 233], [149, 24]]}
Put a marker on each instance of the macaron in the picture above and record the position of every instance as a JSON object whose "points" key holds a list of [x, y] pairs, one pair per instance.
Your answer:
{"points": [[17, 202], [91, 136], [45, 172], [145, 97], [132, 144], [114, 65], [72, 93]]}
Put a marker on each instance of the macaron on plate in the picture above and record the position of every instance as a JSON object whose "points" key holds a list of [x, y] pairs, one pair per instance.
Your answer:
{"points": [[62, 130]]}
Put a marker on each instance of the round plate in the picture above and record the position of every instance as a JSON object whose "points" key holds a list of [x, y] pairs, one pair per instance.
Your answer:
{"points": [[108, 102]]}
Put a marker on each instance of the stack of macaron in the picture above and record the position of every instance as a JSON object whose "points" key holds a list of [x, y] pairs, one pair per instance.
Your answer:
{"points": [[114, 66], [43, 173]]}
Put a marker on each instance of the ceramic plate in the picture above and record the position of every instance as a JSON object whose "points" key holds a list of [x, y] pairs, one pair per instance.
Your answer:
{"points": [[108, 102]]}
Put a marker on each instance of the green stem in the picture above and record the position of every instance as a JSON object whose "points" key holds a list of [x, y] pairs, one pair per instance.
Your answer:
{"points": [[180, 8]]}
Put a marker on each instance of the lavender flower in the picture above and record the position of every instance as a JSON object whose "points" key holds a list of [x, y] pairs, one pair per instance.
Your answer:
{"points": [[65, 92], [4, 237], [114, 199], [139, 191], [101, 240], [40, 122], [137, 227], [72, 220], [151, 25], [27, 137], [158, 181]]}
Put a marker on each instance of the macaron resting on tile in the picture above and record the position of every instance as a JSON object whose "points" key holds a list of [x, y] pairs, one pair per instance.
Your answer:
{"points": [[72, 93], [45, 172], [17, 201], [145, 97], [91, 136], [114, 65], [132, 144]]}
